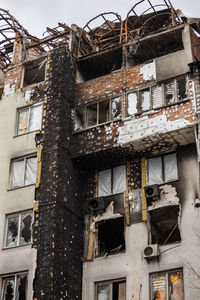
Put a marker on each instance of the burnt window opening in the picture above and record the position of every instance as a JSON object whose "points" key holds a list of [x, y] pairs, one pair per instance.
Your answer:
{"points": [[111, 290], [97, 113], [112, 181], [34, 72], [111, 236], [19, 229], [164, 225], [156, 46], [14, 287], [100, 64], [162, 169], [169, 92], [167, 285]]}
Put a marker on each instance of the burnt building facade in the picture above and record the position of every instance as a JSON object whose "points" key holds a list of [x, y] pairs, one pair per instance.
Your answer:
{"points": [[100, 158]]}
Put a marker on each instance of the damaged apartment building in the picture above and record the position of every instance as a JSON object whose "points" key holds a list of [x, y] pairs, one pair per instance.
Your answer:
{"points": [[100, 152]]}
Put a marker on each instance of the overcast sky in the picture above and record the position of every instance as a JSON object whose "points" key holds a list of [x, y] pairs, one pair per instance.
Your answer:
{"points": [[36, 15]]}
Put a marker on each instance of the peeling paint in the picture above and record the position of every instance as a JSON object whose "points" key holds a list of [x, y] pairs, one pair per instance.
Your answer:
{"points": [[148, 71]]}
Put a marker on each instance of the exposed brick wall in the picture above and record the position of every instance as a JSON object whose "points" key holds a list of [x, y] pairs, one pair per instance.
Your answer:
{"points": [[58, 230], [12, 80]]}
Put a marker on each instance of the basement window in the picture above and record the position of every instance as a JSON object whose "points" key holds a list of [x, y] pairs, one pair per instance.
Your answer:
{"points": [[34, 72], [164, 225], [166, 93], [112, 181], [162, 169], [23, 171], [111, 290], [29, 119], [97, 113], [19, 229], [14, 287], [110, 236], [167, 285]]}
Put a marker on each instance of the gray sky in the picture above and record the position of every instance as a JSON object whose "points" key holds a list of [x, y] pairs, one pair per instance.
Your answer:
{"points": [[36, 15]]}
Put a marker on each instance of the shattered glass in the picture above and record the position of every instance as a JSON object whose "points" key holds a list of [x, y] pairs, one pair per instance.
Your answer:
{"points": [[169, 92], [91, 115], [21, 287], [12, 231], [103, 292], [116, 108], [25, 228], [8, 290]]}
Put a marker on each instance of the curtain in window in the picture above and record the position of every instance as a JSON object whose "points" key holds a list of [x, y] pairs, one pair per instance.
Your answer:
{"points": [[17, 173], [119, 179], [155, 170], [104, 183], [159, 287], [170, 166], [31, 169], [35, 118], [22, 121], [132, 103]]}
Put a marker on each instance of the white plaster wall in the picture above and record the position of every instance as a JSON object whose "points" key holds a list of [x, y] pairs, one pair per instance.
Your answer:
{"points": [[22, 258], [135, 269]]}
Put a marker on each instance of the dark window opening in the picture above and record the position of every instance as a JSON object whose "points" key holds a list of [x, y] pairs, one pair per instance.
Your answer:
{"points": [[111, 236], [164, 225], [14, 287], [34, 72], [100, 64]]}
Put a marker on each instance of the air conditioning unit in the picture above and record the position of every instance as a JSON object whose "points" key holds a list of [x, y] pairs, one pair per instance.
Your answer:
{"points": [[99, 203], [151, 251], [152, 192]]}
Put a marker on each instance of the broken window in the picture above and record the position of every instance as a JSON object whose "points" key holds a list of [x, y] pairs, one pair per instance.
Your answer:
{"points": [[112, 290], [34, 72], [23, 171], [29, 118], [166, 93], [112, 181], [162, 169], [164, 225], [97, 113], [167, 285], [14, 287], [19, 229], [79, 118], [132, 103], [110, 236]]}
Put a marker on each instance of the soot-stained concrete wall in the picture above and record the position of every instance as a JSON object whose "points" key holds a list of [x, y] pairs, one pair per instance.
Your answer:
{"points": [[58, 228]]}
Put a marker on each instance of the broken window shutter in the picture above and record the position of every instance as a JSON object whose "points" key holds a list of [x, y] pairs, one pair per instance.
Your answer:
{"points": [[169, 92], [157, 96], [144, 204]]}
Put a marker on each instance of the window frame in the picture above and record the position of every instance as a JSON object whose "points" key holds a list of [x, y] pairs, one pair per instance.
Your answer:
{"points": [[5, 276], [19, 228], [24, 170], [164, 102], [167, 273], [42, 59], [163, 169], [29, 108], [110, 283], [112, 179], [97, 103]]}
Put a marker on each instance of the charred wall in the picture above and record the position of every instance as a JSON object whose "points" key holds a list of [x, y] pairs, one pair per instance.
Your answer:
{"points": [[58, 228]]}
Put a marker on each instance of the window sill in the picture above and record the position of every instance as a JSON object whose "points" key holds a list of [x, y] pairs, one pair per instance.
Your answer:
{"points": [[14, 247], [31, 86], [96, 126], [19, 187], [109, 255], [37, 131]]}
